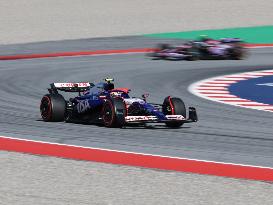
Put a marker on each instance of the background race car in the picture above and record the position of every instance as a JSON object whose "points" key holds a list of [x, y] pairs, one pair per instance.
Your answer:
{"points": [[226, 48], [112, 107], [168, 52]]}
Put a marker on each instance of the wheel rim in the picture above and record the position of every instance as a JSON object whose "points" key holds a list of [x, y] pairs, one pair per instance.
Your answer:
{"points": [[107, 114], [167, 109], [45, 108]]}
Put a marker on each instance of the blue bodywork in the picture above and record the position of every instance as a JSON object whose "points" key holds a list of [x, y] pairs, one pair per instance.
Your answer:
{"points": [[96, 95], [102, 103]]}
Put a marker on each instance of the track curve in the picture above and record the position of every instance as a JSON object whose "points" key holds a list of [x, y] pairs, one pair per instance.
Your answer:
{"points": [[224, 133]]}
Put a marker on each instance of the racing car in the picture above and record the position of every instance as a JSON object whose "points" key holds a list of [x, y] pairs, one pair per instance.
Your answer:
{"points": [[225, 48], [181, 52], [206, 48], [104, 104]]}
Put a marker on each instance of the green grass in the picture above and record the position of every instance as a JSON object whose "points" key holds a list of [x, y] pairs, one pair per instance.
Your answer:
{"points": [[260, 34]]}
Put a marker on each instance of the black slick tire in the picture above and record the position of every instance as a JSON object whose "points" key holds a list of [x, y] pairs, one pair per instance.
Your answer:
{"points": [[113, 113], [174, 106], [237, 53], [53, 108]]}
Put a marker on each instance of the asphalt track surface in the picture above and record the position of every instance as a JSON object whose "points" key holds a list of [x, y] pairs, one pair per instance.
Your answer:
{"points": [[224, 133]]}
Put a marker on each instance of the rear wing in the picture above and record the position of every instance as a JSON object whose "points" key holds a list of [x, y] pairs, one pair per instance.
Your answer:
{"points": [[70, 87]]}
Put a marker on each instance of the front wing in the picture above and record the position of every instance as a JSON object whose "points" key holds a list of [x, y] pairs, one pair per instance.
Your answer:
{"points": [[169, 118]]}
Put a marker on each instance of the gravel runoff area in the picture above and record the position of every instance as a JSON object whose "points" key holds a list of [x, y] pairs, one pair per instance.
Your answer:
{"points": [[28, 179], [38, 20]]}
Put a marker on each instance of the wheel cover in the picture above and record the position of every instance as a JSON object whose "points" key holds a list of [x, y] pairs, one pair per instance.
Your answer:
{"points": [[107, 114], [45, 108]]}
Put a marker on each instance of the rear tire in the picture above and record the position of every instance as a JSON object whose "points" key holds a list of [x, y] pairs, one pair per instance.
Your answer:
{"points": [[53, 108], [113, 113], [174, 106]]}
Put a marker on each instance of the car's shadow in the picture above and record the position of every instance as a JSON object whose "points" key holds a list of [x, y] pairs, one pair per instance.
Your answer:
{"points": [[131, 126], [157, 126]]}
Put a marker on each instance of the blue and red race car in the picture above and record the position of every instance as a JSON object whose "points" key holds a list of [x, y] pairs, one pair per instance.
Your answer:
{"points": [[113, 107]]}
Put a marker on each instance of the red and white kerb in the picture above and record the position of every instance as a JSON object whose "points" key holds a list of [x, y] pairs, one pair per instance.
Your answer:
{"points": [[216, 89]]}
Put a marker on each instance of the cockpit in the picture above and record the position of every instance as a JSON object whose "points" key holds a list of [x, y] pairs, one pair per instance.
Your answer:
{"points": [[104, 88], [120, 92]]}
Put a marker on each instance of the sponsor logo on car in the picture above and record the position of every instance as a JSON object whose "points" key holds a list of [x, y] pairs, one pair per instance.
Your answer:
{"points": [[139, 118], [175, 117], [71, 85], [82, 106]]}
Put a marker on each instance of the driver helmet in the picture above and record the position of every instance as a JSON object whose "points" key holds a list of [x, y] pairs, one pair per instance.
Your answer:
{"points": [[108, 85], [204, 38]]}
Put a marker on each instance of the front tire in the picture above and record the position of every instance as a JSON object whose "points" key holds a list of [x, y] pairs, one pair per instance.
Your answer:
{"points": [[53, 108], [113, 113], [193, 54], [237, 53], [174, 106], [192, 57]]}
